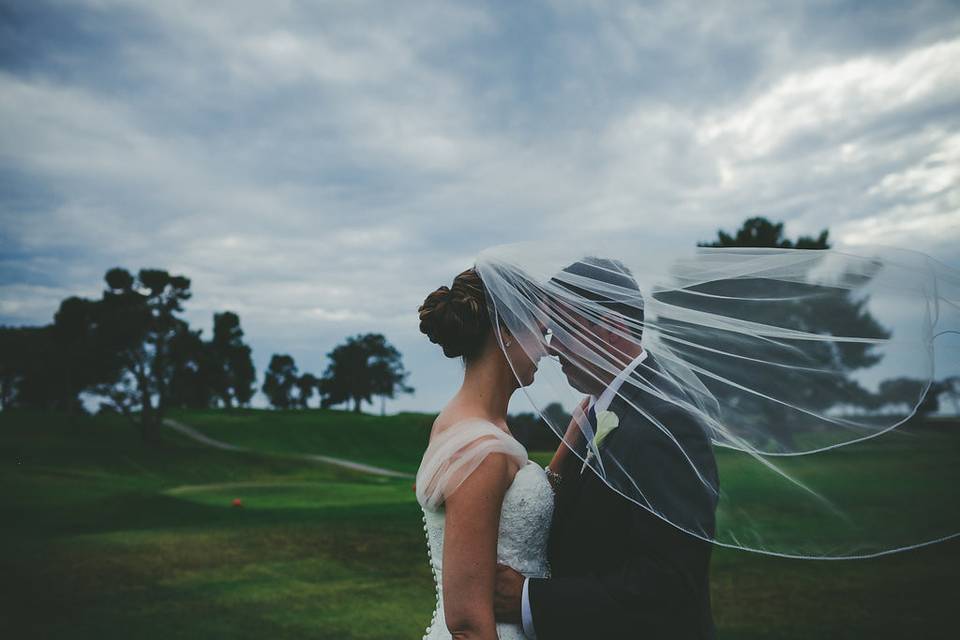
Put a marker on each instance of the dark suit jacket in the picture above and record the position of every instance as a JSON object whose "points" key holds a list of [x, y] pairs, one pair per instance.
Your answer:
{"points": [[618, 570]]}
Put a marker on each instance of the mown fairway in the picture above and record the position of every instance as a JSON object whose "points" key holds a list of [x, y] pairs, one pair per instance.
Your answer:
{"points": [[102, 538]]}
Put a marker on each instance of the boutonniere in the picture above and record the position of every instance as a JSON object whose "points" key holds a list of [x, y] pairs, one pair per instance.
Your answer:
{"points": [[607, 421]]}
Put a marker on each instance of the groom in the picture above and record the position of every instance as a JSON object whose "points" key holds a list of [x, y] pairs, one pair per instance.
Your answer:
{"points": [[619, 570]]}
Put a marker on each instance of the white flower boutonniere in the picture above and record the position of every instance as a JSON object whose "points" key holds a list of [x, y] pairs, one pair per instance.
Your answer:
{"points": [[607, 421]]}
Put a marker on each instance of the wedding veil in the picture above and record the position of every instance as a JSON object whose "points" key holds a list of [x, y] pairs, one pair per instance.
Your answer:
{"points": [[757, 398]]}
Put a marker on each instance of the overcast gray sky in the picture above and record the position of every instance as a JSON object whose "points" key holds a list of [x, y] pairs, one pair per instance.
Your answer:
{"points": [[319, 167]]}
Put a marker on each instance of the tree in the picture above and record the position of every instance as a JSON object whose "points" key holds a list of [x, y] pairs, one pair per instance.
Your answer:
{"points": [[215, 373], [760, 232], [246, 376], [12, 364], [140, 328], [908, 392], [191, 384], [80, 357], [951, 389], [389, 376], [48, 367], [306, 385], [279, 380], [804, 307], [233, 375], [25, 360], [364, 366]]}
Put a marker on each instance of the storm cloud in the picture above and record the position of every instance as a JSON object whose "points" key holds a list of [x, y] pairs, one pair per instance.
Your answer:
{"points": [[318, 168]]}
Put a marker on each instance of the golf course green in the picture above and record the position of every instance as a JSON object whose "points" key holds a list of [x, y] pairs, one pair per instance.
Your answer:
{"points": [[103, 537]]}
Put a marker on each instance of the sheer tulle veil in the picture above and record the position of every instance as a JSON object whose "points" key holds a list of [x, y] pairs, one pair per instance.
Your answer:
{"points": [[801, 371]]}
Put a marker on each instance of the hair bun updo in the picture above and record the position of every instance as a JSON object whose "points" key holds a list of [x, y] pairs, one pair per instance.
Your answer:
{"points": [[456, 317]]}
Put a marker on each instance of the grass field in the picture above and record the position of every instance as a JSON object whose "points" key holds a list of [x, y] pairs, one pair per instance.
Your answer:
{"points": [[103, 538]]}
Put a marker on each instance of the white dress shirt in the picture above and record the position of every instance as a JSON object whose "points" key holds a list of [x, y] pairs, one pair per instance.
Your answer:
{"points": [[598, 405]]}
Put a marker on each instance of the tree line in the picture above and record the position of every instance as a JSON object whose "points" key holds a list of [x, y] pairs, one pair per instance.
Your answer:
{"points": [[361, 368], [133, 350]]}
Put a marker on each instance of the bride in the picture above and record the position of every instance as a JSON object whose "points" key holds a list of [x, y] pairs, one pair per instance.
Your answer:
{"points": [[484, 502]]}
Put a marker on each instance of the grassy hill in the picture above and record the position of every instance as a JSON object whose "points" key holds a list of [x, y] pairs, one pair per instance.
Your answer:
{"points": [[103, 538], [395, 442]]}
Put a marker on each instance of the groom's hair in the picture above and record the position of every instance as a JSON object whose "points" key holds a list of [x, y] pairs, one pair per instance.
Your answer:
{"points": [[621, 296]]}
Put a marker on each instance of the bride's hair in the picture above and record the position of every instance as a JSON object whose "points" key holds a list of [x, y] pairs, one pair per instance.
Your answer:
{"points": [[456, 317]]}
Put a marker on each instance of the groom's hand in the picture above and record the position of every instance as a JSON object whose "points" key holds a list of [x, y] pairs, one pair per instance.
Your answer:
{"points": [[508, 594]]}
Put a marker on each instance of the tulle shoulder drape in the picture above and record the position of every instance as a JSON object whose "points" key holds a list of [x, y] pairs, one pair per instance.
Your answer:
{"points": [[455, 453]]}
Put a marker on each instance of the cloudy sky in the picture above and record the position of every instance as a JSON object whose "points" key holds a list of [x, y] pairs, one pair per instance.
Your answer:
{"points": [[318, 167]]}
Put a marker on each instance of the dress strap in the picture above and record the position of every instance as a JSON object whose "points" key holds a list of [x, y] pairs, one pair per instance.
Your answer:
{"points": [[456, 452]]}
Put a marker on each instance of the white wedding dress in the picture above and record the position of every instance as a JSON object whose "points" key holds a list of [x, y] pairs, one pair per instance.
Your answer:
{"points": [[524, 517]]}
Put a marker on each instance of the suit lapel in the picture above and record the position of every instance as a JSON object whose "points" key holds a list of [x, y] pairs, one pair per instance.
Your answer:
{"points": [[575, 488]]}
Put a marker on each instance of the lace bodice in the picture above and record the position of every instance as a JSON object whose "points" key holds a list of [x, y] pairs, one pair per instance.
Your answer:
{"points": [[521, 543]]}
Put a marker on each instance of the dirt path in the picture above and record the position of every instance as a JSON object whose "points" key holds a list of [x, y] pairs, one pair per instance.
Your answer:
{"points": [[192, 433]]}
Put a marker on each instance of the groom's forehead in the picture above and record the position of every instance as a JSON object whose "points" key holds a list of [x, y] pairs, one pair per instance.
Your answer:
{"points": [[559, 313]]}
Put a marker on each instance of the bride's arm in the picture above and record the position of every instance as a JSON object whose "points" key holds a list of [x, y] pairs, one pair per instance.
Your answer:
{"points": [[470, 549], [570, 439]]}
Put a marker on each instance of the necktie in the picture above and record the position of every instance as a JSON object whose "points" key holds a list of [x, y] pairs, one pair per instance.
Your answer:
{"points": [[592, 421]]}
